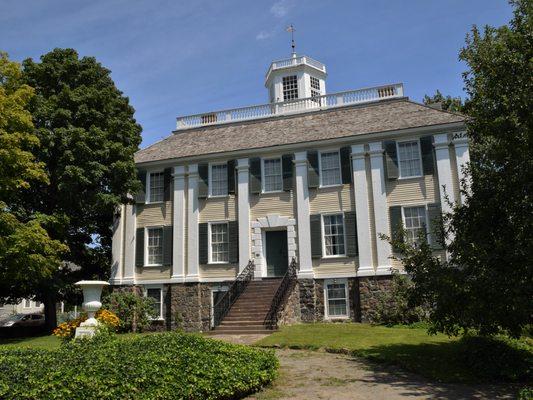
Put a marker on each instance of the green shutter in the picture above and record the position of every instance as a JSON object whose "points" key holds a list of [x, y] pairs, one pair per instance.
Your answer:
{"points": [[345, 164], [202, 243], [231, 176], [287, 167], [391, 159], [168, 184], [167, 245], [313, 175], [428, 161], [350, 224], [140, 196], [233, 234], [395, 218], [316, 235], [139, 247], [203, 181], [435, 225], [255, 175]]}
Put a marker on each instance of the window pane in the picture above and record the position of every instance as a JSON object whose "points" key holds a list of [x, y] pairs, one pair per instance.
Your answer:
{"points": [[157, 186], [330, 172], [219, 180], [155, 246], [337, 302], [290, 87], [409, 156], [156, 295], [334, 234], [415, 222], [219, 243], [273, 175]]}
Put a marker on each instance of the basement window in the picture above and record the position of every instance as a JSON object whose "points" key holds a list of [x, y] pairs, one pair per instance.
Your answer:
{"points": [[336, 296]]}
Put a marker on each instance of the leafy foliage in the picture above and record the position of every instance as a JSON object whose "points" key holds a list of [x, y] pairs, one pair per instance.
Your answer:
{"points": [[66, 330], [448, 103], [134, 311], [156, 366]]}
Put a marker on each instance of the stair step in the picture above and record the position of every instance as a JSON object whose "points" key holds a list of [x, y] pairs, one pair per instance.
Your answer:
{"points": [[241, 327], [248, 332]]}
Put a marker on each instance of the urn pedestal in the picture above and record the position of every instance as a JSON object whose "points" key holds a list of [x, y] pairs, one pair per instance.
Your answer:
{"points": [[92, 290]]}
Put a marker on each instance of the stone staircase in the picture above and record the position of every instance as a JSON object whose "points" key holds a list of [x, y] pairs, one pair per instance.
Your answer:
{"points": [[247, 314]]}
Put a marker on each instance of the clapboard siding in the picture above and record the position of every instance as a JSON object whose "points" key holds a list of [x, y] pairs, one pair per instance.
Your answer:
{"points": [[217, 209], [219, 271], [338, 198], [272, 203], [150, 273], [154, 214], [406, 191], [344, 266]]}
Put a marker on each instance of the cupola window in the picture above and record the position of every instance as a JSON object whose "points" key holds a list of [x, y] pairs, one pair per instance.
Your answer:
{"points": [[290, 87]]}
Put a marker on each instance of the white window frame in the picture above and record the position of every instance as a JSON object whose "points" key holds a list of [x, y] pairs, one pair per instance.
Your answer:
{"points": [[210, 179], [223, 288], [263, 180], [426, 216], [400, 176], [160, 287], [326, 299], [336, 150], [210, 249], [323, 233], [147, 189], [146, 228], [297, 87]]}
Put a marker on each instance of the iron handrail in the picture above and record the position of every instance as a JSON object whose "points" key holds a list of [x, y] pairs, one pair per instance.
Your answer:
{"points": [[221, 308], [284, 289]]}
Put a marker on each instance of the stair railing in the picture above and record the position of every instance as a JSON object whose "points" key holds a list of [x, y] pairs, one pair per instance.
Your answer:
{"points": [[221, 308], [284, 289]]}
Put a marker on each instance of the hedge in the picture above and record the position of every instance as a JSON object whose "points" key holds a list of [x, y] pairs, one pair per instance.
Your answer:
{"points": [[156, 366]]}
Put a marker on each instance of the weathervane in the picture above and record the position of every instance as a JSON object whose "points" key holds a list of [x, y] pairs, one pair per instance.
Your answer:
{"points": [[291, 29]]}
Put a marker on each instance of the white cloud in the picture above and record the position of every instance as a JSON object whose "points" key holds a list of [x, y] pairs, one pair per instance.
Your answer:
{"points": [[263, 35], [281, 8]]}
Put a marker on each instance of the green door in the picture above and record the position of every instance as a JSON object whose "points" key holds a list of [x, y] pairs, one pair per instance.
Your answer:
{"points": [[276, 253]]}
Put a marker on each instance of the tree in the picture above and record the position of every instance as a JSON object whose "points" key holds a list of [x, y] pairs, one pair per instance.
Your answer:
{"points": [[27, 253], [88, 137], [487, 284], [448, 103]]}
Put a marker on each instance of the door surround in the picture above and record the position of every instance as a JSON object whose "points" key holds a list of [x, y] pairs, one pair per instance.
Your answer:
{"points": [[271, 222]]}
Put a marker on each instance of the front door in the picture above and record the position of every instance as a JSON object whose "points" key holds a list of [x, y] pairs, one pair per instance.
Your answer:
{"points": [[276, 253]]}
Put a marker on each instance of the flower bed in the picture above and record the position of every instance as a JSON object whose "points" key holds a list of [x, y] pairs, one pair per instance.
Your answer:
{"points": [[156, 366]]}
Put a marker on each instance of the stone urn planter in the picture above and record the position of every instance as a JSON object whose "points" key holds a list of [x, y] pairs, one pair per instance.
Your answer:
{"points": [[92, 290]]}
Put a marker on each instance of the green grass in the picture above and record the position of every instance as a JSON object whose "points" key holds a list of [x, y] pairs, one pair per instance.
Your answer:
{"points": [[436, 357], [38, 342]]}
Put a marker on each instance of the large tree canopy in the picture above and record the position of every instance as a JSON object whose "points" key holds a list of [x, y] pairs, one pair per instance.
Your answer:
{"points": [[88, 136], [488, 283], [27, 253]]}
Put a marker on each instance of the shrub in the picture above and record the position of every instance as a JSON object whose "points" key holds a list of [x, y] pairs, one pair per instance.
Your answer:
{"points": [[134, 311], [67, 330], [157, 366], [393, 306]]}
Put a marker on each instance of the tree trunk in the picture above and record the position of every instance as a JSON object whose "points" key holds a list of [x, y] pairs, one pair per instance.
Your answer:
{"points": [[50, 313]]}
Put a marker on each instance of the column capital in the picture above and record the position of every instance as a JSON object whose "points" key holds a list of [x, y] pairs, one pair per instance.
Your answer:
{"points": [[192, 169], [242, 164], [179, 171], [358, 150], [441, 141], [375, 149]]}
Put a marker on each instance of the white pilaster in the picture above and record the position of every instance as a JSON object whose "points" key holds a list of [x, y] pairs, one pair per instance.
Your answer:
{"points": [[379, 196], [117, 246], [361, 209], [192, 225], [444, 171], [178, 242], [129, 244], [302, 211], [462, 157], [244, 212]]}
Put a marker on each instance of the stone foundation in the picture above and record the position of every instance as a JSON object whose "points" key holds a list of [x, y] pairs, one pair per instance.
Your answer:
{"points": [[370, 289]]}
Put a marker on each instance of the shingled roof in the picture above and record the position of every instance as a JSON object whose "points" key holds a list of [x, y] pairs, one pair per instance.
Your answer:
{"points": [[390, 115]]}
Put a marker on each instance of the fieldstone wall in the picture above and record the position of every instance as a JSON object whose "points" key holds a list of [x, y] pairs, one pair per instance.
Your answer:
{"points": [[291, 312], [190, 305], [369, 291]]}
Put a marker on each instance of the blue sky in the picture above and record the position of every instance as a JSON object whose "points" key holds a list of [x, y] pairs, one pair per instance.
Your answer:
{"points": [[176, 58]]}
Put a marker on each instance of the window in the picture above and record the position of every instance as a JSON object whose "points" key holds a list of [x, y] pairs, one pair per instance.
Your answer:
{"points": [[272, 175], [154, 246], [157, 295], [333, 235], [336, 294], [315, 87], [414, 220], [409, 159], [219, 180], [156, 186], [27, 303], [216, 295], [330, 169], [37, 304], [290, 87], [219, 243]]}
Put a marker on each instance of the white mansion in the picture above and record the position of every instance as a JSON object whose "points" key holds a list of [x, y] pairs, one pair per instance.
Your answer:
{"points": [[272, 213]]}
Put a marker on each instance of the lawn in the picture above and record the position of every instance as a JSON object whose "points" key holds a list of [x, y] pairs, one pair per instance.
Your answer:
{"points": [[38, 342], [436, 357]]}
